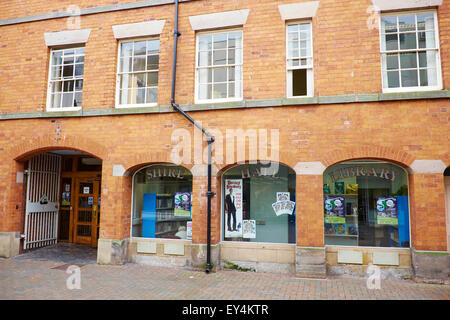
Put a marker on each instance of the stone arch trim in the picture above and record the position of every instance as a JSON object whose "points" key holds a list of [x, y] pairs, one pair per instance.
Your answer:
{"points": [[221, 168], [368, 152], [446, 159], [33, 146]]}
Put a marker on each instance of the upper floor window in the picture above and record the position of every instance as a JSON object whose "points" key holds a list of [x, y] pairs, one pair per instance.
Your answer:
{"points": [[137, 76], [410, 52], [65, 83], [299, 60], [219, 66]]}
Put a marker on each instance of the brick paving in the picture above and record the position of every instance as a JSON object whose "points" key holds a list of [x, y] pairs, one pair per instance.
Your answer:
{"points": [[41, 275]]}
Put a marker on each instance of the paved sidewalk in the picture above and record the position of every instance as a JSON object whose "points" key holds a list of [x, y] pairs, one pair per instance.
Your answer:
{"points": [[31, 277]]}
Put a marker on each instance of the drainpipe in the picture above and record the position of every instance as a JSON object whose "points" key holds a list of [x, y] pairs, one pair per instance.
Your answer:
{"points": [[210, 140]]}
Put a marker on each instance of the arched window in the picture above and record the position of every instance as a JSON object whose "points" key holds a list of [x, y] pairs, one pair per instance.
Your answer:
{"points": [[366, 204], [258, 203], [162, 199]]}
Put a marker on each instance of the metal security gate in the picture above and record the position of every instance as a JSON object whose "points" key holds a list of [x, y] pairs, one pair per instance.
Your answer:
{"points": [[41, 215]]}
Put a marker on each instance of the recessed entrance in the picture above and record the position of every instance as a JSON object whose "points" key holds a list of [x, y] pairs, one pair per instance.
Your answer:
{"points": [[62, 199]]}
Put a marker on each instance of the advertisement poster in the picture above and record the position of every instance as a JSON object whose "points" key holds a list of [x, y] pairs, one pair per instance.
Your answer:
{"points": [[182, 204], [249, 229], [189, 230], [283, 207], [233, 208], [387, 210], [334, 209], [283, 196]]}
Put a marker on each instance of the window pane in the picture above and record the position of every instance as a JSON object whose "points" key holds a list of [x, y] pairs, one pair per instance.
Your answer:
{"points": [[79, 59], [152, 95], [388, 24], [292, 28], [140, 48], [56, 100], [67, 100], [220, 91], [391, 42], [205, 91], [56, 86], [126, 49], [426, 39], [235, 40], [68, 60], [79, 51], [152, 79], [140, 95], [68, 86], [139, 80], [231, 90], [425, 21], [205, 42], [79, 69], [423, 77], [68, 52], [407, 23], [293, 50], [293, 36], [57, 58], [78, 98], [56, 72], [392, 61], [123, 96], [408, 60], [409, 78], [231, 57], [68, 71], [79, 85], [139, 63], [125, 64], [204, 58], [126, 81], [153, 47], [299, 82], [220, 75], [393, 79], [205, 75], [219, 57], [220, 41], [152, 62], [408, 41]]}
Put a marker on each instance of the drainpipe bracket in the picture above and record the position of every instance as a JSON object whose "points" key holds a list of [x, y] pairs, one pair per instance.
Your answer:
{"points": [[210, 193]]}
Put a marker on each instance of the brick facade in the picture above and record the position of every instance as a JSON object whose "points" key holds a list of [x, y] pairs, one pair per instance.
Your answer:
{"points": [[346, 62]]}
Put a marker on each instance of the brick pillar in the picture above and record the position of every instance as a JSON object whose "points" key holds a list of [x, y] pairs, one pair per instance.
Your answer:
{"points": [[310, 258], [115, 215], [430, 258], [199, 217]]}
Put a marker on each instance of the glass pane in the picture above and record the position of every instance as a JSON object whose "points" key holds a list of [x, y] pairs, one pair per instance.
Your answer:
{"points": [[409, 78], [57, 58], [293, 63], [152, 47], [56, 100], [125, 64], [126, 81], [392, 61], [293, 36], [408, 41], [56, 86], [408, 60], [68, 52], [139, 80], [152, 95], [67, 100], [140, 95], [84, 216], [220, 91], [425, 21], [131, 96], [139, 63], [205, 42], [231, 73], [407, 23], [231, 87], [79, 69], [220, 75], [79, 51], [235, 39], [219, 41], [68, 71], [56, 72], [219, 57], [79, 85], [205, 75], [426, 39], [299, 82], [126, 49], [391, 42], [123, 96], [388, 24], [231, 57], [393, 79], [78, 99], [79, 59], [140, 48], [152, 79], [205, 91], [204, 58], [152, 62], [83, 230], [293, 50], [68, 86], [68, 60], [423, 77]]}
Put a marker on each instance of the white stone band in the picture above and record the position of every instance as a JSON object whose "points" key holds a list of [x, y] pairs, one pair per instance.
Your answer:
{"points": [[139, 29], [62, 38], [385, 5], [299, 10]]}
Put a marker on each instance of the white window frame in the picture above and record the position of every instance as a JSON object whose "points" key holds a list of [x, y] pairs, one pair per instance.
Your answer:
{"points": [[49, 107], [136, 105], [197, 68], [439, 85], [309, 68]]}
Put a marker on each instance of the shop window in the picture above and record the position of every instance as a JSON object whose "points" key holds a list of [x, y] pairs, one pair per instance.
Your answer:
{"points": [[299, 60], [65, 84], [259, 204], [219, 66], [410, 52], [366, 204], [162, 202], [137, 75]]}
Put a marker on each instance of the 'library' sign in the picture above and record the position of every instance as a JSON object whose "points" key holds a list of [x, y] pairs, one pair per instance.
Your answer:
{"points": [[360, 171]]}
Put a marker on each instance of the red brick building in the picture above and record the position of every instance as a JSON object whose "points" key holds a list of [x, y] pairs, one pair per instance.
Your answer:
{"points": [[343, 106]]}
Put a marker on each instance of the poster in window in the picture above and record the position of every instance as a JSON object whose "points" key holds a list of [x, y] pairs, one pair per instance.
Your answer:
{"points": [[334, 209], [182, 204], [233, 208], [189, 230], [283, 207], [387, 210], [249, 229]]}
